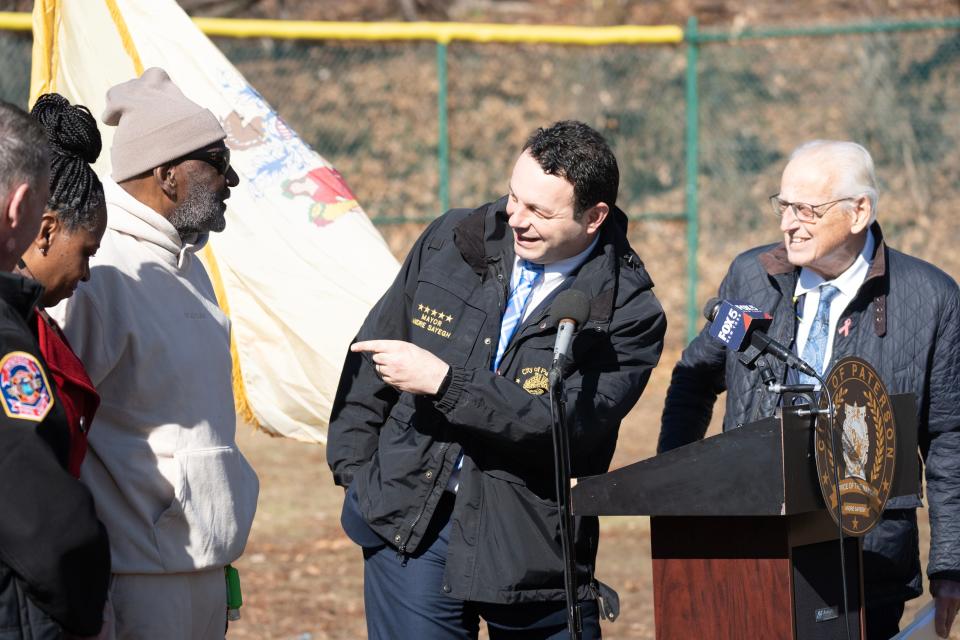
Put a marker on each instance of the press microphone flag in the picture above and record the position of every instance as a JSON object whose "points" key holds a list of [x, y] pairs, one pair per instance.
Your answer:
{"points": [[741, 327], [732, 322]]}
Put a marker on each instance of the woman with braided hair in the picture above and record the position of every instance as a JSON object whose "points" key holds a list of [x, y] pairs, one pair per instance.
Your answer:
{"points": [[70, 232]]}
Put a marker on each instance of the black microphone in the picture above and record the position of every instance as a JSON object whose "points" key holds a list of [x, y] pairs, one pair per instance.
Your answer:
{"points": [[740, 326], [570, 309]]}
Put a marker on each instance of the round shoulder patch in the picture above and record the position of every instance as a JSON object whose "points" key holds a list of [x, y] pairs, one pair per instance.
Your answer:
{"points": [[24, 387]]}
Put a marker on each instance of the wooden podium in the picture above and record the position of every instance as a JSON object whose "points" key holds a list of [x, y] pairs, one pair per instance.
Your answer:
{"points": [[742, 544]]}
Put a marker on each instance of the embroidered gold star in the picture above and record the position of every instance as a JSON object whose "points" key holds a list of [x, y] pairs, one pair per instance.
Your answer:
{"points": [[433, 321]]}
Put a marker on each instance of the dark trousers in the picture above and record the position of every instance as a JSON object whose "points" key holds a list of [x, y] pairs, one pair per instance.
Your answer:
{"points": [[404, 598], [891, 571], [883, 622]]}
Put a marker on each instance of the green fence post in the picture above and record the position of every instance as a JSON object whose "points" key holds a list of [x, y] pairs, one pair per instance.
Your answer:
{"points": [[443, 139], [693, 134]]}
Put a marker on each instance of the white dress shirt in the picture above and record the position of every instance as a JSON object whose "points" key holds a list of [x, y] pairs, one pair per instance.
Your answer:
{"points": [[848, 283], [553, 276]]}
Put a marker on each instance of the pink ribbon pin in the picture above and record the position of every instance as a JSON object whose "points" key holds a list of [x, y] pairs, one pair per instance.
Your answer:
{"points": [[844, 330]]}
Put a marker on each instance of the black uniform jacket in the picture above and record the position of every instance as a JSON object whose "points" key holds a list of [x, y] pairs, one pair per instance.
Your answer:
{"points": [[54, 553], [905, 321], [399, 449]]}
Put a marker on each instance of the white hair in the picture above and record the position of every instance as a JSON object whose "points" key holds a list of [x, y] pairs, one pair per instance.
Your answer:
{"points": [[853, 167]]}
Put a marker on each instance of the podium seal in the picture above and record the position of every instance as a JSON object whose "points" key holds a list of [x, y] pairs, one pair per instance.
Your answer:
{"points": [[864, 440]]}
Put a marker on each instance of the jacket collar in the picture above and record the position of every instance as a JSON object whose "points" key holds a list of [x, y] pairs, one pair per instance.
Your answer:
{"points": [[775, 263], [484, 238], [21, 293]]}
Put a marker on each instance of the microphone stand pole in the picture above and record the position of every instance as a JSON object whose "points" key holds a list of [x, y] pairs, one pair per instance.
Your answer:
{"points": [[561, 463], [809, 391]]}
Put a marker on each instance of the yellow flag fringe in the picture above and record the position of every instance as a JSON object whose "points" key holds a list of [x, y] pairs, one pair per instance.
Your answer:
{"points": [[240, 401]]}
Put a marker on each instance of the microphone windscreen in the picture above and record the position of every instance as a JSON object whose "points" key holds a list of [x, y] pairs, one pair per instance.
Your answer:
{"points": [[572, 304], [710, 309]]}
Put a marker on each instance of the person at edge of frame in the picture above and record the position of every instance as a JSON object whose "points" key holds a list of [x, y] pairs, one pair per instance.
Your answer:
{"points": [[54, 552], [835, 289]]}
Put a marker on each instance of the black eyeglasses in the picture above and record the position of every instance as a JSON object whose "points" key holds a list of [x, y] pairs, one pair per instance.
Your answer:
{"points": [[809, 213], [218, 158]]}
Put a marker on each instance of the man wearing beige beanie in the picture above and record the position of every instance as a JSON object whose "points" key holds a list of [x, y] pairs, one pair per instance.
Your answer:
{"points": [[175, 493]]}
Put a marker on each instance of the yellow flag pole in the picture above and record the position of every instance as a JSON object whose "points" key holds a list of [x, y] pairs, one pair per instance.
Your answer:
{"points": [[46, 18]]}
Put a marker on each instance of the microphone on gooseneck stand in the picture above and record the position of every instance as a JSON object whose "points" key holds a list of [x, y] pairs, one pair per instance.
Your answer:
{"points": [[569, 310]]}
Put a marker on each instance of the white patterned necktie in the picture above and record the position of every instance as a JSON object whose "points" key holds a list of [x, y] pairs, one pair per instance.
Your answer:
{"points": [[530, 273], [816, 346]]}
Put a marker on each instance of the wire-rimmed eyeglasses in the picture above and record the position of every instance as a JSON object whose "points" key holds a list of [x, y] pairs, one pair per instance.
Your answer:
{"points": [[809, 213]]}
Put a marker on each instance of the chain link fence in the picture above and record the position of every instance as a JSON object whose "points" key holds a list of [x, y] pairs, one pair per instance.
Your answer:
{"points": [[386, 113], [15, 74], [897, 93]]}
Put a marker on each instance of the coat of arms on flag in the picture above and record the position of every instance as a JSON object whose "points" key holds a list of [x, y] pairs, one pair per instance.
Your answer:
{"points": [[299, 264]]}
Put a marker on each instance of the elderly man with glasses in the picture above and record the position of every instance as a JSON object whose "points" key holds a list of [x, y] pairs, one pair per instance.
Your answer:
{"points": [[899, 313], [171, 486]]}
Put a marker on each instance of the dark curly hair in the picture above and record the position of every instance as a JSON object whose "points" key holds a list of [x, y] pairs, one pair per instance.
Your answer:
{"points": [[76, 193], [573, 151]]}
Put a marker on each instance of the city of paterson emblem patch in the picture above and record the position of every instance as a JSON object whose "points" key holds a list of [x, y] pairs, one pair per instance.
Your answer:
{"points": [[534, 380], [24, 386], [864, 441]]}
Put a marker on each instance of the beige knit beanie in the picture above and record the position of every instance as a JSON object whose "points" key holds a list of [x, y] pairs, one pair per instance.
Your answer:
{"points": [[155, 123]]}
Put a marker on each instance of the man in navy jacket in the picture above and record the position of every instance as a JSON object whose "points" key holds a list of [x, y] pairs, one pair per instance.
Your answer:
{"points": [[897, 312], [441, 426]]}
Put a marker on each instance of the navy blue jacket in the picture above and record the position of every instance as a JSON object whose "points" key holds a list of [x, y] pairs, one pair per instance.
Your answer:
{"points": [[398, 450], [905, 321]]}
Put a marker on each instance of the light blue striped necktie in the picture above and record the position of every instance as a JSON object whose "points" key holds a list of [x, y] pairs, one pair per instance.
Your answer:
{"points": [[530, 273], [816, 346]]}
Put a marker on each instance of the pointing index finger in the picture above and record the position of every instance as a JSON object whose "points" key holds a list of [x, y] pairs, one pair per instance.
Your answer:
{"points": [[373, 346]]}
